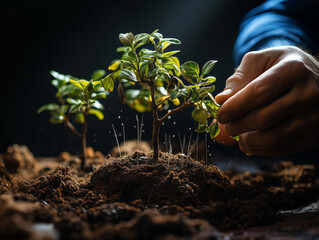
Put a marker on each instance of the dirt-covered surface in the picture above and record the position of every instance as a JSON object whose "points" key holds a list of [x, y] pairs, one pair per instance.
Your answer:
{"points": [[134, 197]]}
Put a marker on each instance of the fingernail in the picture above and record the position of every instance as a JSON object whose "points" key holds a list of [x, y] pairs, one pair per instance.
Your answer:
{"points": [[223, 118], [226, 91]]}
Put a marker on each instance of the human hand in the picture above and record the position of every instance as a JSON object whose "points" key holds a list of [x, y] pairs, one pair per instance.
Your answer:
{"points": [[272, 102]]}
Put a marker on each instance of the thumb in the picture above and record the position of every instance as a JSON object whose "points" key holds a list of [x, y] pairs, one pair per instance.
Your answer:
{"points": [[233, 84]]}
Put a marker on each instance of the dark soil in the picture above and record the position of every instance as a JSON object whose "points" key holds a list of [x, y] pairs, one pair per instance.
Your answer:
{"points": [[137, 198]]}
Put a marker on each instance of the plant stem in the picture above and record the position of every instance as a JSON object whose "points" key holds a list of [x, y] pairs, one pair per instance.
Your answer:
{"points": [[83, 139], [156, 123], [71, 127]]}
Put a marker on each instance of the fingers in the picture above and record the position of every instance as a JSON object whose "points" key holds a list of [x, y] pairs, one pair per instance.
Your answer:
{"points": [[247, 71], [266, 116], [261, 91], [291, 136], [233, 84]]}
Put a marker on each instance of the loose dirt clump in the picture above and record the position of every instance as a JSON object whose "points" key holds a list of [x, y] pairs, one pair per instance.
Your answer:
{"points": [[181, 185], [137, 198]]}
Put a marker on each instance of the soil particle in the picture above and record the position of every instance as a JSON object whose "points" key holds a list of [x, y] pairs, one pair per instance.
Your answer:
{"points": [[159, 227], [18, 158], [130, 147]]}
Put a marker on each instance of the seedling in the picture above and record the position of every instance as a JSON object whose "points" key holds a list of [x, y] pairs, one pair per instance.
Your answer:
{"points": [[77, 98], [157, 73]]}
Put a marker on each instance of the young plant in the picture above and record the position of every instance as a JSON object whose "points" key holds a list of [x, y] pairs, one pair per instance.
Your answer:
{"points": [[77, 98], [157, 72]]}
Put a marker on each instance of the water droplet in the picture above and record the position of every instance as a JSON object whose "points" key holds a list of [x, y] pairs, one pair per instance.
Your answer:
{"points": [[169, 117], [119, 117], [174, 122], [163, 123], [173, 135], [134, 126], [210, 154], [121, 110], [190, 128], [109, 131], [143, 131]]}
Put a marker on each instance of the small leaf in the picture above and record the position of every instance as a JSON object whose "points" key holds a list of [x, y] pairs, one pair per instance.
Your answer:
{"points": [[123, 49], [210, 79], [207, 68], [128, 75], [77, 84], [79, 118], [200, 115], [57, 118], [108, 83], [191, 68], [176, 101], [96, 96], [174, 93], [75, 108], [213, 130], [97, 105], [195, 95], [98, 74], [168, 54], [115, 65], [171, 40], [235, 137], [60, 76], [201, 128], [97, 113], [48, 107], [126, 39]]}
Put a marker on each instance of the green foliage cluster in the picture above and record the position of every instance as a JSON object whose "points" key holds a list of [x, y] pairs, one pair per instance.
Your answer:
{"points": [[162, 79], [76, 97]]}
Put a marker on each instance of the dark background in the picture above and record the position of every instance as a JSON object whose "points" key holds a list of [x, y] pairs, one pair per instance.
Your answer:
{"points": [[77, 37]]}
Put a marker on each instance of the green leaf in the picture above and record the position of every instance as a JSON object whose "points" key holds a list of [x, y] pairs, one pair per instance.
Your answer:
{"points": [[128, 75], [115, 65], [213, 130], [97, 113], [80, 84], [79, 118], [141, 39], [171, 40], [168, 54], [75, 108], [123, 49], [195, 95], [98, 105], [60, 76], [207, 68], [191, 68], [73, 101], [57, 118], [98, 74], [99, 95], [127, 39], [235, 137], [48, 107], [200, 115], [173, 62], [108, 83], [151, 54], [210, 79], [201, 128], [174, 93]]}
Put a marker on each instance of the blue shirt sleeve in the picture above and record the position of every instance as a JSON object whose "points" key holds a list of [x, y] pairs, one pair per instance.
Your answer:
{"points": [[279, 23]]}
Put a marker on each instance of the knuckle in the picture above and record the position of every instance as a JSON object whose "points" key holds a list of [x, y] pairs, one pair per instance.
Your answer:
{"points": [[261, 92], [251, 57]]}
